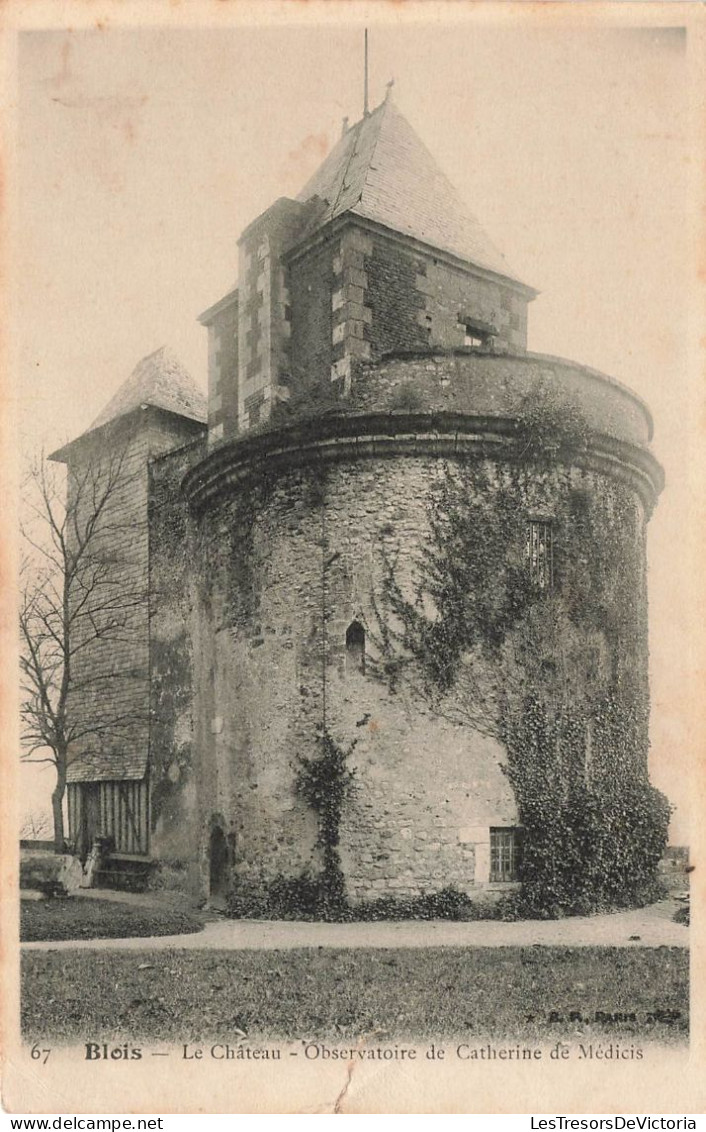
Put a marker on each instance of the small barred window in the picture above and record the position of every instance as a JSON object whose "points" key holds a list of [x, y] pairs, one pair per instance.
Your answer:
{"points": [[505, 854], [539, 552]]}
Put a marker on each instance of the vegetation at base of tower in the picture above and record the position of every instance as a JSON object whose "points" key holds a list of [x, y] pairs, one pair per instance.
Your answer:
{"points": [[551, 662], [306, 402], [325, 782], [307, 897], [590, 841]]}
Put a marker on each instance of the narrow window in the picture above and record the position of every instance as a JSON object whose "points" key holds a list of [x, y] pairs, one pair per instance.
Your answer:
{"points": [[355, 647], [539, 552], [477, 334], [505, 854], [474, 338]]}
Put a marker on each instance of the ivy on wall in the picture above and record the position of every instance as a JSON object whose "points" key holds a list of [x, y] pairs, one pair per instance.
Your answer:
{"points": [[325, 781], [557, 673]]}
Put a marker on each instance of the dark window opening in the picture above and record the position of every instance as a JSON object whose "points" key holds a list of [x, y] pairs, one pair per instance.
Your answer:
{"points": [[474, 338], [505, 854], [218, 863], [477, 335], [355, 646], [539, 552]]}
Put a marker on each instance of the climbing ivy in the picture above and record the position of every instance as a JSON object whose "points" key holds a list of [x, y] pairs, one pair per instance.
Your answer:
{"points": [[556, 673], [325, 781], [593, 834]]}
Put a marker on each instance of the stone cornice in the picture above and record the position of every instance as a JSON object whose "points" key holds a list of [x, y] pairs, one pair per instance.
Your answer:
{"points": [[331, 229], [207, 316], [349, 437]]}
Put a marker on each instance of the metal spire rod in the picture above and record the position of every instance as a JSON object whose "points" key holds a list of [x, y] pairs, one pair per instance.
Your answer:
{"points": [[366, 110]]}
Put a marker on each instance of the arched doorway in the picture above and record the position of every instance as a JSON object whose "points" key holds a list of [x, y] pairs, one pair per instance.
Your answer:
{"points": [[218, 858]]}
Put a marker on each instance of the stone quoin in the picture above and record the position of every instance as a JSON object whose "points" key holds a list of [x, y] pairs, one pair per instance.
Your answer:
{"points": [[374, 340]]}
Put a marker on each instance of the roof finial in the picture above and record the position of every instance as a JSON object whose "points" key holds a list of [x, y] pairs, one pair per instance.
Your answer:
{"points": [[366, 110], [389, 88]]}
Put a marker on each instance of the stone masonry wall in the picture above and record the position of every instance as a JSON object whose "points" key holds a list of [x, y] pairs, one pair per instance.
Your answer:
{"points": [[469, 381], [396, 303], [360, 294], [286, 566], [311, 285], [223, 382], [418, 299], [172, 769], [264, 301], [455, 297]]}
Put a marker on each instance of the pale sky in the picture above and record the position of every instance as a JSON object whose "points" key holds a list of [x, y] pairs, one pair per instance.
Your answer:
{"points": [[144, 153]]}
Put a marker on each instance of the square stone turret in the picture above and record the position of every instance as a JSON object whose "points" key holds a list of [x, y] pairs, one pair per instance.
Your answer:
{"points": [[377, 255]]}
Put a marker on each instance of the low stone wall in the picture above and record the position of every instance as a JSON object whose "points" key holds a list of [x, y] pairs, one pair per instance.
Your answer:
{"points": [[470, 381], [53, 874]]}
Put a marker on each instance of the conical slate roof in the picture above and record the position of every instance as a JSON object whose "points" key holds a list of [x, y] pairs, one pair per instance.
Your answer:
{"points": [[381, 170], [160, 380]]}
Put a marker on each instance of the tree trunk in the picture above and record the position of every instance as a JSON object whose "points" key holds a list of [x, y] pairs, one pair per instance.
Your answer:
{"points": [[57, 807]]}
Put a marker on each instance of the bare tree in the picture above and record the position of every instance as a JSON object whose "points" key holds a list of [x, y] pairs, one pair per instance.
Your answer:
{"points": [[80, 596], [35, 826]]}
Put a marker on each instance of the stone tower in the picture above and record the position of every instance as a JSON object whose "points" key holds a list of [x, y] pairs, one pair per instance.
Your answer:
{"points": [[368, 379]]}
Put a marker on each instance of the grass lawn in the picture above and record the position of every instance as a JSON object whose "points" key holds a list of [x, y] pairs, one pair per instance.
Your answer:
{"points": [[78, 918], [336, 994]]}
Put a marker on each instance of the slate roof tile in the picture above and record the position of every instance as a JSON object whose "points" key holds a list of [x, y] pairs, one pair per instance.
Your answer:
{"points": [[109, 765], [160, 380], [382, 171]]}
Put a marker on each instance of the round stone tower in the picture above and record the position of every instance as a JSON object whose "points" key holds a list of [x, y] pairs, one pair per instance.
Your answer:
{"points": [[419, 612], [312, 540]]}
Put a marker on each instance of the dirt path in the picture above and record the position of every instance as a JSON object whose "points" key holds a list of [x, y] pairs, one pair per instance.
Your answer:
{"points": [[645, 927]]}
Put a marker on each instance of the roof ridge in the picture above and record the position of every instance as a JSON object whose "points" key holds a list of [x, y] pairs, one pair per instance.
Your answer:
{"points": [[382, 107], [333, 205], [358, 127]]}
